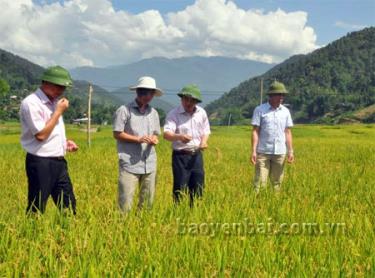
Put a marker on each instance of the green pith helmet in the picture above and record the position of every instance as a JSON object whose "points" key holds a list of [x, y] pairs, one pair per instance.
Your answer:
{"points": [[192, 91], [277, 88], [57, 75]]}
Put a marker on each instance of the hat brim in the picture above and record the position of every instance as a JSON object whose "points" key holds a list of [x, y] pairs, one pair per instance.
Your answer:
{"points": [[188, 95], [158, 92], [59, 81], [277, 93]]}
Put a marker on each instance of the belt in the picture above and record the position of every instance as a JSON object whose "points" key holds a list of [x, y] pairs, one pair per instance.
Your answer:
{"points": [[47, 157], [56, 157], [188, 152]]}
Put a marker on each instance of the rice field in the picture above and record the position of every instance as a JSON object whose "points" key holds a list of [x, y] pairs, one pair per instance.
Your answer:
{"points": [[322, 223]]}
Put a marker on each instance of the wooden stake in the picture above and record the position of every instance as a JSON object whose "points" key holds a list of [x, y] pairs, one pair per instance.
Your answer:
{"points": [[261, 90], [89, 117]]}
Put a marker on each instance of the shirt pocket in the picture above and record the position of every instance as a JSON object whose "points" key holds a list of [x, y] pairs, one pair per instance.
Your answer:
{"points": [[267, 121], [282, 122]]}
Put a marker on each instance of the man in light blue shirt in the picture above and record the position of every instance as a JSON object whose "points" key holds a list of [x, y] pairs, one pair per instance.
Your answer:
{"points": [[271, 138]]}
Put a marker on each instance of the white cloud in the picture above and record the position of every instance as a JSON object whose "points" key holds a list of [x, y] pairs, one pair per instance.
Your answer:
{"points": [[349, 26], [91, 32]]}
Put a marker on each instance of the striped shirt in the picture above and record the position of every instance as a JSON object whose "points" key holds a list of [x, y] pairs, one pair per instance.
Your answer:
{"points": [[36, 110], [136, 158], [178, 121]]}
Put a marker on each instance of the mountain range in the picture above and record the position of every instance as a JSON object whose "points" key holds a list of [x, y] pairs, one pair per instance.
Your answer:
{"points": [[333, 84], [214, 75]]}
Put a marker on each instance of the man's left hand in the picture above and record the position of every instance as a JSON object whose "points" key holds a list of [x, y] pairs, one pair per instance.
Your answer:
{"points": [[154, 140], [71, 146], [203, 146], [290, 157]]}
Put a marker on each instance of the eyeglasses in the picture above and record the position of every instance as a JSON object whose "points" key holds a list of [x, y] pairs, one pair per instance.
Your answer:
{"points": [[145, 92]]}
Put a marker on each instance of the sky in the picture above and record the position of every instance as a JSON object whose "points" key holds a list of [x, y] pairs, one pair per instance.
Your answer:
{"points": [[102, 33]]}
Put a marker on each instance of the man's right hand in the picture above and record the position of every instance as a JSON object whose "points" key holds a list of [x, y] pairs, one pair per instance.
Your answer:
{"points": [[62, 105], [60, 108], [145, 139], [184, 138], [254, 158]]}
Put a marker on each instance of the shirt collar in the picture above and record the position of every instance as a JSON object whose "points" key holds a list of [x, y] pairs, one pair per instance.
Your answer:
{"points": [[43, 97], [269, 107], [134, 104]]}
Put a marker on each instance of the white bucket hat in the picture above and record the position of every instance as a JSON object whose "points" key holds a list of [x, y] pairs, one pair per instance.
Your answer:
{"points": [[147, 82]]}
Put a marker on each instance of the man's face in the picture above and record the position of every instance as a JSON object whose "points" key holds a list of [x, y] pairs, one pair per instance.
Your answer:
{"points": [[53, 91], [188, 103], [144, 96], [59, 90], [276, 99]]}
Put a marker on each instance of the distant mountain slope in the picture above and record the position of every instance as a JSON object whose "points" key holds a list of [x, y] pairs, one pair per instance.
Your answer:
{"points": [[19, 72], [327, 84], [214, 75], [23, 77]]}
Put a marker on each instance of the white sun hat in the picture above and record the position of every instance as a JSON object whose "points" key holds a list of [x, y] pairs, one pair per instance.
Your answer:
{"points": [[147, 82]]}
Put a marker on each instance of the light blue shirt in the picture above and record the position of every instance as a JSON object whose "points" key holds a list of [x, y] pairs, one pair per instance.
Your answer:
{"points": [[272, 123]]}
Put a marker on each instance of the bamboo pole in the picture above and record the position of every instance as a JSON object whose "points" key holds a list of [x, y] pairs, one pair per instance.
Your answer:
{"points": [[89, 117], [261, 90]]}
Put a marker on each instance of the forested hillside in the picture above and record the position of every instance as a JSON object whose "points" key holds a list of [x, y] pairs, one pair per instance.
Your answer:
{"points": [[19, 77], [328, 85]]}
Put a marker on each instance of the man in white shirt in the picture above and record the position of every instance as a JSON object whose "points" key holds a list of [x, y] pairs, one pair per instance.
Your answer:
{"points": [[188, 128], [271, 138], [43, 138]]}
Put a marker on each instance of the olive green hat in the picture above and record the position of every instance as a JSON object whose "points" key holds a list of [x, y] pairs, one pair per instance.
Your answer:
{"points": [[57, 75], [277, 88], [192, 91]]}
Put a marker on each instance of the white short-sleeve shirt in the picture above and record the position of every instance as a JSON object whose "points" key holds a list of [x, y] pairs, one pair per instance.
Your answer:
{"points": [[36, 110], [180, 122]]}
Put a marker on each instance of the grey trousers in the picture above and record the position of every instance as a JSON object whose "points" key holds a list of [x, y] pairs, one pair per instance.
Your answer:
{"points": [[127, 184]]}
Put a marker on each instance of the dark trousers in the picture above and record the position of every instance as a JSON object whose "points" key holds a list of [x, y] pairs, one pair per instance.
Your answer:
{"points": [[188, 173], [48, 176]]}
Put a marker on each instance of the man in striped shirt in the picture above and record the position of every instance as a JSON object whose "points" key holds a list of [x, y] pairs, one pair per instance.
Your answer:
{"points": [[188, 128], [43, 138]]}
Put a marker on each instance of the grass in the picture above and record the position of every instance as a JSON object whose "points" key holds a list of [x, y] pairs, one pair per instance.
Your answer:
{"points": [[332, 181]]}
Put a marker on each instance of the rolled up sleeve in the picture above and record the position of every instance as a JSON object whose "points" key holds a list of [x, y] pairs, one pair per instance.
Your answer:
{"points": [[206, 125], [170, 123], [255, 121], [156, 123], [32, 117], [119, 119], [289, 121]]}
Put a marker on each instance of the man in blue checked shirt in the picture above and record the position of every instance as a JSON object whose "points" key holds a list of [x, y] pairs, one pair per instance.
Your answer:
{"points": [[271, 138]]}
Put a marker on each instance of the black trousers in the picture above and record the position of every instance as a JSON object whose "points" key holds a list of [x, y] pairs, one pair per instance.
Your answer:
{"points": [[48, 176], [188, 174]]}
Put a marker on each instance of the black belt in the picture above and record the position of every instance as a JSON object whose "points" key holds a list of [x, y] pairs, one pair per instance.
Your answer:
{"points": [[187, 152], [56, 157], [47, 157]]}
